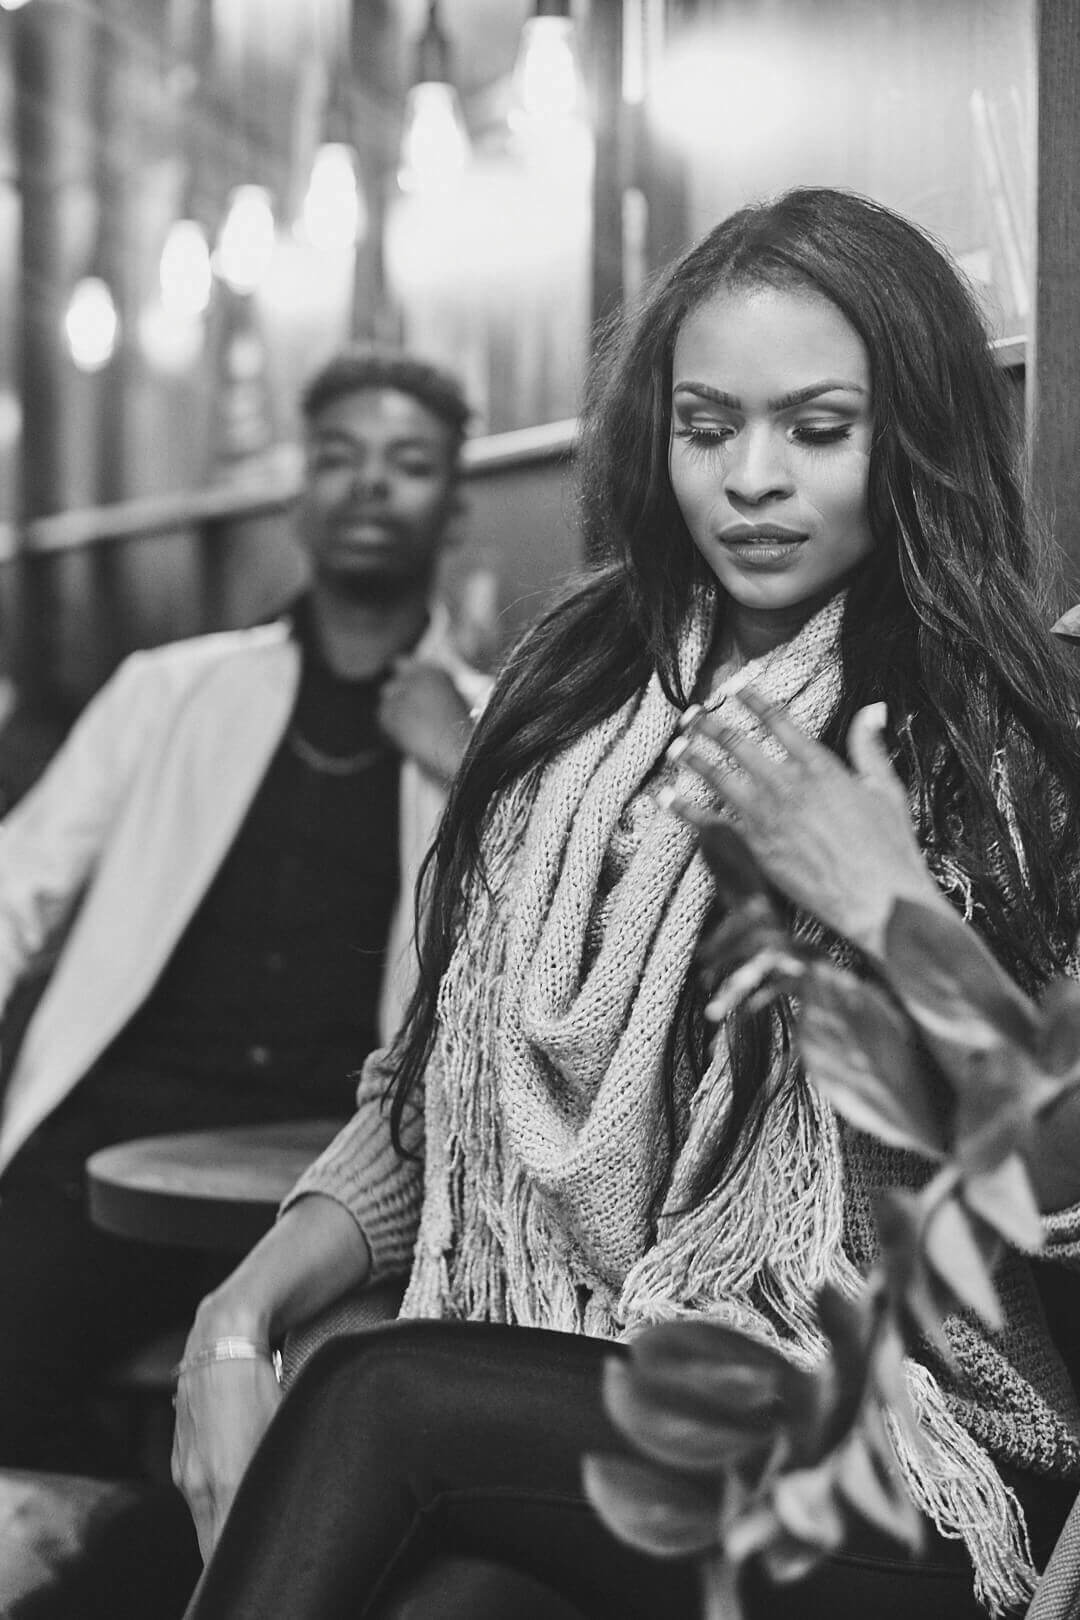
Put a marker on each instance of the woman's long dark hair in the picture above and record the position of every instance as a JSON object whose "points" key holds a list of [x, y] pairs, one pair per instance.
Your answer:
{"points": [[947, 621]]}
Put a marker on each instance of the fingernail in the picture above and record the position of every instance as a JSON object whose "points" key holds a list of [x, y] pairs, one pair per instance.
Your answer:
{"points": [[678, 748], [876, 715], [691, 716]]}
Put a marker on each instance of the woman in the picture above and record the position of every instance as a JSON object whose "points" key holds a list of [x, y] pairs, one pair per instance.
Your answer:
{"points": [[798, 474]]}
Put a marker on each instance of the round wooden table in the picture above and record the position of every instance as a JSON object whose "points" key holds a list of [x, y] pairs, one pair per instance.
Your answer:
{"points": [[215, 1189]]}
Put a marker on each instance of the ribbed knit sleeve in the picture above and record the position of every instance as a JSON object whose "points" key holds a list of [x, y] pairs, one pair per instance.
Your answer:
{"points": [[363, 1171], [1061, 1235]]}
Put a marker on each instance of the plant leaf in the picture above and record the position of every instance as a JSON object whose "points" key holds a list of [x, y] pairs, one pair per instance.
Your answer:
{"points": [[1068, 624], [954, 1250], [848, 1325], [720, 1598], [650, 1509], [951, 984], [1003, 1197], [708, 1356], [767, 974], [1059, 1033], [858, 1050], [789, 1560], [805, 1503], [1000, 1094], [749, 1531], [703, 1436], [730, 937], [900, 1215], [731, 1383], [916, 1292], [877, 1494], [889, 1384]]}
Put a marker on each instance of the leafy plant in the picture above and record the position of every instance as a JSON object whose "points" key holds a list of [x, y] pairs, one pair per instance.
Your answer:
{"points": [[743, 1454]]}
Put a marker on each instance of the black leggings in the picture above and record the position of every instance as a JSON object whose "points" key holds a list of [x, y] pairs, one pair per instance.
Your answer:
{"points": [[422, 1440]]}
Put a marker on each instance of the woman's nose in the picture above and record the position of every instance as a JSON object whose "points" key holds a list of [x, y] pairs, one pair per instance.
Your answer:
{"points": [[756, 468]]}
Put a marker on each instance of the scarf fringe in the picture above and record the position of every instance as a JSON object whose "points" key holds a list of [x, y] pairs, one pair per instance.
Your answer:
{"points": [[953, 1481], [772, 1230]]}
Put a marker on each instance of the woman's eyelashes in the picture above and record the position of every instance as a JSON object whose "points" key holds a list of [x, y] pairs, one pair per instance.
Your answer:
{"points": [[821, 433], [700, 437], [816, 435]]}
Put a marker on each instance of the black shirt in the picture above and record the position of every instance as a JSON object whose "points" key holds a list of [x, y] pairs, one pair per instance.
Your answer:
{"points": [[277, 974]]}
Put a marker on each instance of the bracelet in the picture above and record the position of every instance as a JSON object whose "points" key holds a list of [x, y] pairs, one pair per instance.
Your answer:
{"points": [[231, 1348]]}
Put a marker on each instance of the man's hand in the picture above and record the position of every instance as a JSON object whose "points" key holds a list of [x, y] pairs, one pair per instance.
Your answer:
{"points": [[422, 711]]}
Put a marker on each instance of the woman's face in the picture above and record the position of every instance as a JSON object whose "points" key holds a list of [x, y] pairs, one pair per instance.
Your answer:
{"points": [[770, 445]]}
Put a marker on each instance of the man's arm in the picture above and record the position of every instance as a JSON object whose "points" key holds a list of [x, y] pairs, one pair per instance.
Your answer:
{"points": [[51, 840]]}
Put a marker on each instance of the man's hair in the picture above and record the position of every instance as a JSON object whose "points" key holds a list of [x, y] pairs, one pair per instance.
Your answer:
{"points": [[366, 366]]}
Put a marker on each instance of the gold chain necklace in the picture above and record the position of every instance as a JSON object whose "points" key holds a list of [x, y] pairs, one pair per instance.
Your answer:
{"points": [[332, 764]]}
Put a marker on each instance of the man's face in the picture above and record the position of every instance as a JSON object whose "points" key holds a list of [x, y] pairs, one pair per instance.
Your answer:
{"points": [[379, 487]]}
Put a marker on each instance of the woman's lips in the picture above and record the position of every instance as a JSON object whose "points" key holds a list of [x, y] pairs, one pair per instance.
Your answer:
{"points": [[764, 547], [760, 531]]}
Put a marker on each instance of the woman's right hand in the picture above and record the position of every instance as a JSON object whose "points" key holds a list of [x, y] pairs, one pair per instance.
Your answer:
{"points": [[223, 1409], [313, 1254]]}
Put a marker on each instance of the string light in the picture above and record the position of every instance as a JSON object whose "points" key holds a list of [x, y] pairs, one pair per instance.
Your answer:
{"points": [[547, 98], [92, 324], [547, 86], [334, 211], [435, 145], [185, 273], [245, 245]]}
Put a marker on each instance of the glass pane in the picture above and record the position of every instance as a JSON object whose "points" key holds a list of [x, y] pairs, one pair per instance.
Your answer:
{"points": [[925, 106]]}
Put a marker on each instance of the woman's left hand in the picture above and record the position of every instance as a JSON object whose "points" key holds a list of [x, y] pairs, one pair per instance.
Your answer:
{"points": [[837, 842]]}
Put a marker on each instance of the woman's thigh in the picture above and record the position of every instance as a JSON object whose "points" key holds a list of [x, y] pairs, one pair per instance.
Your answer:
{"points": [[417, 1439], [424, 1439]]}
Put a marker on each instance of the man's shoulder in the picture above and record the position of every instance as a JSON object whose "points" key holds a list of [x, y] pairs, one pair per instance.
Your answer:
{"points": [[195, 654]]}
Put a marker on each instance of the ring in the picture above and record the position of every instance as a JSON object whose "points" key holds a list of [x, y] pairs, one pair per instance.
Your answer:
{"points": [[690, 717]]}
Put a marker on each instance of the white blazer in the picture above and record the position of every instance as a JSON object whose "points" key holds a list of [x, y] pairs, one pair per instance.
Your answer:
{"points": [[128, 826]]}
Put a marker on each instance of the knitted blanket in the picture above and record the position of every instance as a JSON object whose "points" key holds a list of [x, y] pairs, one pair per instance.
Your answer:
{"points": [[561, 1131]]}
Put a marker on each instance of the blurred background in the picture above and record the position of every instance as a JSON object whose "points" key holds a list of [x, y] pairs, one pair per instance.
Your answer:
{"points": [[202, 199]]}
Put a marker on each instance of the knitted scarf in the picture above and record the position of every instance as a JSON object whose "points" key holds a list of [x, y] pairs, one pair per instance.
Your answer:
{"points": [[558, 1130]]}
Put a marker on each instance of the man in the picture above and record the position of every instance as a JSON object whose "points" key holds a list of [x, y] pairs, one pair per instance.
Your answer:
{"points": [[235, 825]]}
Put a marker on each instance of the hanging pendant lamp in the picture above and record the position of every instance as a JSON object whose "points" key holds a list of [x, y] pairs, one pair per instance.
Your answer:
{"points": [[435, 146]]}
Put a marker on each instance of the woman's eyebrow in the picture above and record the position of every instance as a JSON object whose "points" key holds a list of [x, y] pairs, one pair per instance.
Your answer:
{"points": [[798, 396]]}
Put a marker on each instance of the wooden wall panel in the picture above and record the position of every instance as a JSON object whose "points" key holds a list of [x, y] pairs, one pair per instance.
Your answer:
{"points": [[1054, 355]]}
